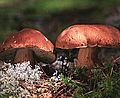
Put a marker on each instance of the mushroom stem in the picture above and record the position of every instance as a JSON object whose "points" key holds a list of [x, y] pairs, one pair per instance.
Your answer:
{"points": [[88, 57], [24, 54]]}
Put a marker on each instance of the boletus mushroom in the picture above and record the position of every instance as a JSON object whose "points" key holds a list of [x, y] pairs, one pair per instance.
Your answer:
{"points": [[88, 38], [27, 45]]}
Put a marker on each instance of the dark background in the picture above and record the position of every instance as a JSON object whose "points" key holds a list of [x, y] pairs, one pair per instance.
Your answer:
{"points": [[52, 16]]}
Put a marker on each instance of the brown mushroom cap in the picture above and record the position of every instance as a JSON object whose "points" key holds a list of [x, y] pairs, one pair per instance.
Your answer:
{"points": [[81, 36], [27, 38], [31, 39]]}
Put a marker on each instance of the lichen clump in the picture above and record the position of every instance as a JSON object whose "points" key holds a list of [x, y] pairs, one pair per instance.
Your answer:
{"points": [[22, 80]]}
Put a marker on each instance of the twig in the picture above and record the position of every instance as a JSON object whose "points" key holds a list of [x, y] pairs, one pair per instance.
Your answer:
{"points": [[99, 92], [68, 91], [113, 66], [88, 92], [111, 71], [104, 74], [83, 84], [60, 87], [43, 71], [116, 59], [26, 84], [26, 88], [59, 92]]}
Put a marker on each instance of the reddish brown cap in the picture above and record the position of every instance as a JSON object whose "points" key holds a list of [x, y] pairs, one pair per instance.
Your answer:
{"points": [[81, 36], [28, 38]]}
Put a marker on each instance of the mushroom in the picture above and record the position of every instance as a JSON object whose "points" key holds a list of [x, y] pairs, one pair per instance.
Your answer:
{"points": [[88, 38], [27, 45]]}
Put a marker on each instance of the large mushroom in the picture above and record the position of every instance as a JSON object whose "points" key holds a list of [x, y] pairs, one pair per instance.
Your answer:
{"points": [[88, 38], [27, 45]]}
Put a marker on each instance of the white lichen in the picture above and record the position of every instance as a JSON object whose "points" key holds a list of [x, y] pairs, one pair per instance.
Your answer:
{"points": [[11, 77]]}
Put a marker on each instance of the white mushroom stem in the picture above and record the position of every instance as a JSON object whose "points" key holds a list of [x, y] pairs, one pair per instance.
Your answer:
{"points": [[24, 55], [88, 57]]}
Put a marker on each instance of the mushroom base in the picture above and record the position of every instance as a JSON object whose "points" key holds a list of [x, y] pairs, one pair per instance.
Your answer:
{"points": [[24, 54], [88, 57], [43, 56], [8, 55], [16, 55]]}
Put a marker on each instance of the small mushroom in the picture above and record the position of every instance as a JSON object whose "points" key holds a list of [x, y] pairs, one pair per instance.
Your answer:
{"points": [[88, 38], [27, 45]]}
